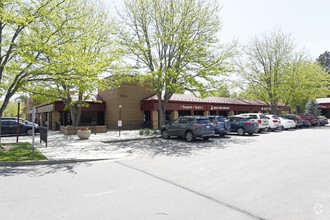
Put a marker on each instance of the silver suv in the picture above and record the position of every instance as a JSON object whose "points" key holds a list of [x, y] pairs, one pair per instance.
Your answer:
{"points": [[259, 118], [189, 127]]}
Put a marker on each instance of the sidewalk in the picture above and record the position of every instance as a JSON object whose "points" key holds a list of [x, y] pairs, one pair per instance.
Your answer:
{"points": [[62, 147]]}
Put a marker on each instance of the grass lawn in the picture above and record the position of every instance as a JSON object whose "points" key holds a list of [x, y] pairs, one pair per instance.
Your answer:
{"points": [[19, 152]]}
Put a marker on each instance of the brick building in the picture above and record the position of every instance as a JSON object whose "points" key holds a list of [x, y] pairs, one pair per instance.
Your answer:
{"points": [[137, 107]]}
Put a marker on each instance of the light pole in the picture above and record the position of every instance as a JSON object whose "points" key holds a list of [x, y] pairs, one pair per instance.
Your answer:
{"points": [[119, 120], [18, 122]]}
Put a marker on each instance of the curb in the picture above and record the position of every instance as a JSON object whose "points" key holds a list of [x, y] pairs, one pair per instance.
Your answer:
{"points": [[130, 139], [47, 162]]}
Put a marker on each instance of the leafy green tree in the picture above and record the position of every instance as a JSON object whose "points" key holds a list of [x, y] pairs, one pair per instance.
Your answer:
{"points": [[324, 60], [84, 51], [304, 80], [175, 46], [276, 73], [20, 58], [11, 109], [312, 107]]}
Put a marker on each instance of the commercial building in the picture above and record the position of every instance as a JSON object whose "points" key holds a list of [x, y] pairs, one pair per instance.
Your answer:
{"points": [[136, 107], [324, 106]]}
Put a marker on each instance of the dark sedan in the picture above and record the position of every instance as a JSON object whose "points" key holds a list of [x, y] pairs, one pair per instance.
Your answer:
{"points": [[322, 120], [242, 125], [10, 127]]}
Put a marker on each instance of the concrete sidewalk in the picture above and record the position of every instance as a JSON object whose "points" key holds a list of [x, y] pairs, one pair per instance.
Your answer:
{"points": [[70, 148]]}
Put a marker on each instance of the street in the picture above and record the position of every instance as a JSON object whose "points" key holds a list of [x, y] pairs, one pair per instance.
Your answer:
{"points": [[275, 175]]}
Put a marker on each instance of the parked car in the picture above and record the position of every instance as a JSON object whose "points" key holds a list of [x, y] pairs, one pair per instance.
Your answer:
{"points": [[189, 127], [296, 118], [322, 120], [259, 118], [287, 123], [22, 120], [309, 117], [10, 127], [306, 123], [274, 122], [242, 125], [221, 125]]}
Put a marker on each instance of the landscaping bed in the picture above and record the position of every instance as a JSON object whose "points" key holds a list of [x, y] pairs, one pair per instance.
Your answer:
{"points": [[19, 152]]}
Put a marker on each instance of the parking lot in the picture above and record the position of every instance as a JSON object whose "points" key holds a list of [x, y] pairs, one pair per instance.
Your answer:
{"points": [[274, 175]]}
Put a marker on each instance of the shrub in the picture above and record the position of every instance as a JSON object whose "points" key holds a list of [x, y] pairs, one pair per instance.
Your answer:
{"points": [[141, 131], [147, 131]]}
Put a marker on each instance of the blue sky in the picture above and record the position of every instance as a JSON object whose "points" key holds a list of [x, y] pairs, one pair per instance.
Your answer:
{"points": [[307, 21]]}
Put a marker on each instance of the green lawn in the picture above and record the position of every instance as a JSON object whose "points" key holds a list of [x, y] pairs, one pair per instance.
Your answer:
{"points": [[20, 152]]}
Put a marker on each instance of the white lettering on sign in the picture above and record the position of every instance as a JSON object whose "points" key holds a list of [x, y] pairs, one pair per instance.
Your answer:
{"points": [[265, 109], [219, 108], [192, 107], [323, 106]]}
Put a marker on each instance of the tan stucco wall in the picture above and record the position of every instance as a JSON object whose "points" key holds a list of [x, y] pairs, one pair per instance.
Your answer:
{"points": [[129, 96]]}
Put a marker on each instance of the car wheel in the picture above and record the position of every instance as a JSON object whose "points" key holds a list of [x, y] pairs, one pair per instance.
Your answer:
{"points": [[267, 129], [206, 138], [190, 136], [29, 132], [165, 134], [251, 133], [240, 131], [222, 135]]}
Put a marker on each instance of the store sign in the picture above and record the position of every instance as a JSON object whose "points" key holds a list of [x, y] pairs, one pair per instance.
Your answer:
{"points": [[265, 109], [214, 108], [324, 106], [191, 107]]}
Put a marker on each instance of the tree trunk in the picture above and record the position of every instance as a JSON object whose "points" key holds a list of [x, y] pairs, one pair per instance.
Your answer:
{"points": [[0, 129], [273, 107], [162, 107], [73, 115], [79, 109]]}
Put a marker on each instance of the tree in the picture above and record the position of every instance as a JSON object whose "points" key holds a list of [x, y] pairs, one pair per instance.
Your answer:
{"points": [[174, 45], [324, 61], [304, 80], [276, 73], [267, 59], [312, 107], [84, 51], [20, 58]]}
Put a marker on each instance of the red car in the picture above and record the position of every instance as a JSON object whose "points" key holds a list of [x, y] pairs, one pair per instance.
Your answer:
{"points": [[309, 117]]}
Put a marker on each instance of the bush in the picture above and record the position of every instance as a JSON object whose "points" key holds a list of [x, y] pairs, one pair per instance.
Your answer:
{"points": [[141, 131], [147, 131]]}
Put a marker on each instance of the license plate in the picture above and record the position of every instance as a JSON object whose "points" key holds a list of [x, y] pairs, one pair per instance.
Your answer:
{"points": [[207, 126]]}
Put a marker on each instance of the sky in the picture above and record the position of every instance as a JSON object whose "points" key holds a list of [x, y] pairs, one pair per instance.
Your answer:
{"points": [[308, 21]]}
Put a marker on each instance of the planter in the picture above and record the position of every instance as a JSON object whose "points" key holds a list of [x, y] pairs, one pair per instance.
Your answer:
{"points": [[83, 135]]}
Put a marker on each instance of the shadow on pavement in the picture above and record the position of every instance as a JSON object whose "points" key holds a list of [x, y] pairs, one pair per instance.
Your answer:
{"points": [[179, 147], [41, 170]]}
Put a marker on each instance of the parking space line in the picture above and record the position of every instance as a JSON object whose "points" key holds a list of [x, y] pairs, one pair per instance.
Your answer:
{"points": [[193, 191]]}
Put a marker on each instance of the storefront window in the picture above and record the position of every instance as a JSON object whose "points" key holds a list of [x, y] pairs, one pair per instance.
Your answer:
{"points": [[184, 113]]}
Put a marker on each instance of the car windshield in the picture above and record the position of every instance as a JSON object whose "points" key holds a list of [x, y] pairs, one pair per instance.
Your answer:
{"points": [[262, 116], [275, 117], [203, 121]]}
